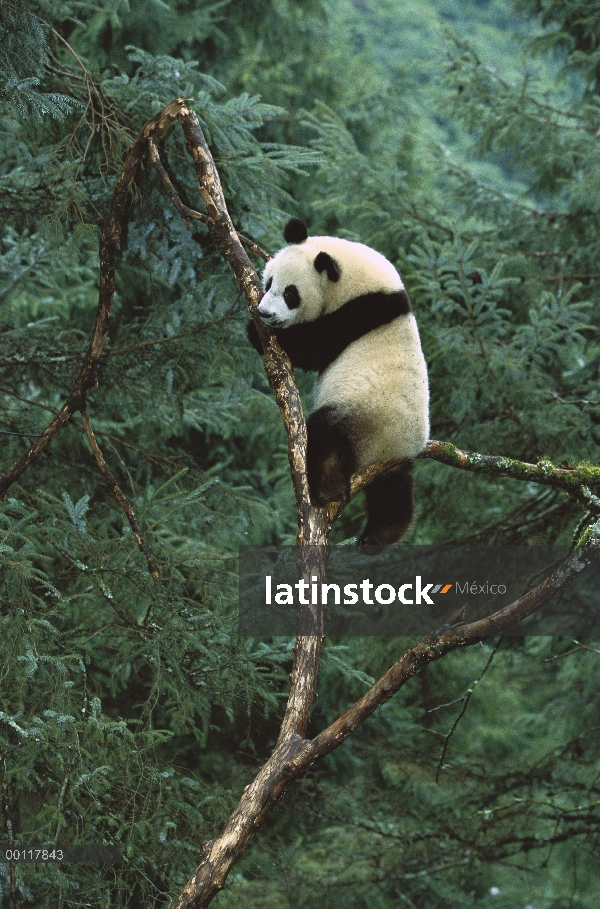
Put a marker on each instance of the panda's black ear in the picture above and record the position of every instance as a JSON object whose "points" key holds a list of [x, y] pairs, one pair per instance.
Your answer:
{"points": [[325, 262], [295, 231]]}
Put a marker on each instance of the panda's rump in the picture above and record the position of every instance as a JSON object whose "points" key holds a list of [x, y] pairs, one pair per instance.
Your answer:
{"points": [[379, 384]]}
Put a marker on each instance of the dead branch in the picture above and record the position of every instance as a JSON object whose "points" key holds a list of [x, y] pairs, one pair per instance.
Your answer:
{"points": [[119, 495], [109, 247], [187, 212], [434, 647], [311, 522], [172, 193], [293, 757], [219, 855]]}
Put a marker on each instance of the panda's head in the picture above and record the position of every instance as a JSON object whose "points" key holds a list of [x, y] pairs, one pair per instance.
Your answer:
{"points": [[314, 276]]}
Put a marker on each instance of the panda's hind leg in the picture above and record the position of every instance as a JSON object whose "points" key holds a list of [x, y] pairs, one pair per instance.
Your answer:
{"points": [[390, 506], [330, 458]]}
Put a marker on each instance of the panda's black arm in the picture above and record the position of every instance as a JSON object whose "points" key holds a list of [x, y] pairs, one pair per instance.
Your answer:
{"points": [[314, 345], [296, 341]]}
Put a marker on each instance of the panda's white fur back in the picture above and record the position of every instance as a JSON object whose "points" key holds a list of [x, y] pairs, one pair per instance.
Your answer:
{"points": [[382, 379]]}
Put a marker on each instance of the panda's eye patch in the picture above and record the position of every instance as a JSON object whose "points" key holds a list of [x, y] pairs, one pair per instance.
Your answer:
{"points": [[291, 296], [268, 284]]}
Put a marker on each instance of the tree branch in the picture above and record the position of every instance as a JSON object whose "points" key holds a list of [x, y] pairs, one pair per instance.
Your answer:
{"points": [[463, 710], [293, 757], [434, 647], [110, 242], [313, 526], [120, 496], [187, 212], [572, 479]]}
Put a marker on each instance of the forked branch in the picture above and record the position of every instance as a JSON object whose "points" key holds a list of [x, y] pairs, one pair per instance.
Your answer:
{"points": [[293, 753], [110, 243]]}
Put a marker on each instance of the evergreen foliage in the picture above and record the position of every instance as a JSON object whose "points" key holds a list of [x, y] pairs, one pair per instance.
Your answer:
{"points": [[130, 710], [23, 59]]}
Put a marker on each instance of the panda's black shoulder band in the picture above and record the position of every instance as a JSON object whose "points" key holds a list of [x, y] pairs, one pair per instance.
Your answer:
{"points": [[295, 231], [314, 345]]}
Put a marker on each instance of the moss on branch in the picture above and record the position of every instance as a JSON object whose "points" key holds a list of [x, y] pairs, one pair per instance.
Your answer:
{"points": [[544, 472]]}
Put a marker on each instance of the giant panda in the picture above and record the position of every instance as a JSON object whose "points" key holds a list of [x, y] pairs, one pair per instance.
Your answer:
{"points": [[340, 309]]}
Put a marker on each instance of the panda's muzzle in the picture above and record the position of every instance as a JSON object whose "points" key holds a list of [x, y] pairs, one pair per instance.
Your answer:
{"points": [[269, 318], [275, 309]]}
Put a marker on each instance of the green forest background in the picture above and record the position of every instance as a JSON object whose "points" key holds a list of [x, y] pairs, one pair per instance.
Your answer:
{"points": [[462, 141]]}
